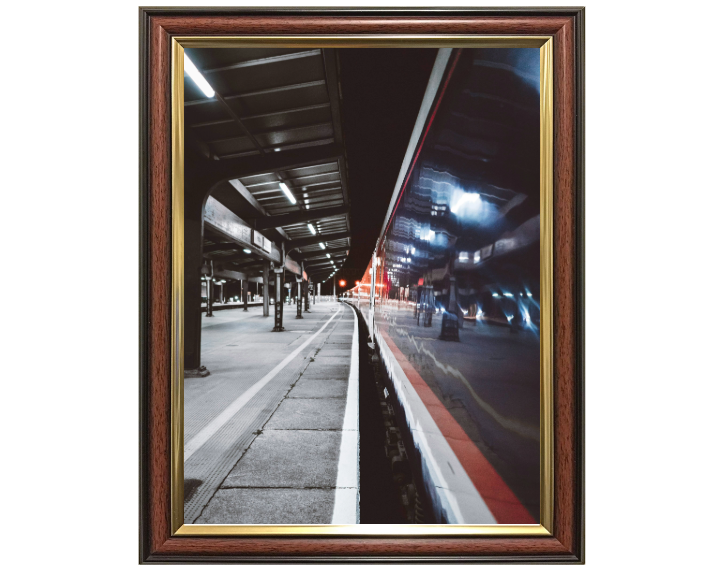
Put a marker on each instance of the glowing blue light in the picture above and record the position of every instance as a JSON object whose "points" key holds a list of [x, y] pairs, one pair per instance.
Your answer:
{"points": [[508, 294], [465, 201], [496, 295], [529, 294]]}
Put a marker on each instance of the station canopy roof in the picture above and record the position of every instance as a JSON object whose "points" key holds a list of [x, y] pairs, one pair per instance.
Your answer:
{"points": [[274, 103]]}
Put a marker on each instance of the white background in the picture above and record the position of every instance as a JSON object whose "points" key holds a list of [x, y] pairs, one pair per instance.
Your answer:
{"points": [[70, 289]]}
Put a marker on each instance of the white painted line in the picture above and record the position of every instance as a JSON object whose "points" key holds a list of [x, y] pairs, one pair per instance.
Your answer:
{"points": [[454, 491], [347, 483], [224, 417]]}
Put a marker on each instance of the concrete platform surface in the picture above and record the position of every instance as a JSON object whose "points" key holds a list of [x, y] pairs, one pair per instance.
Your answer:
{"points": [[271, 435]]}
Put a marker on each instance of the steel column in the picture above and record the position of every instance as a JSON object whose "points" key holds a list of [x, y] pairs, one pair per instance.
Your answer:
{"points": [[278, 301], [266, 289]]}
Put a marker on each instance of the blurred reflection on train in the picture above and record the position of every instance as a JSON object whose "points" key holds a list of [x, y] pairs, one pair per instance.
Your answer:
{"points": [[456, 279]]}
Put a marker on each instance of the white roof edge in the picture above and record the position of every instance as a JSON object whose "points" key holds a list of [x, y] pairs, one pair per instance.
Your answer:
{"points": [[436, 76]]}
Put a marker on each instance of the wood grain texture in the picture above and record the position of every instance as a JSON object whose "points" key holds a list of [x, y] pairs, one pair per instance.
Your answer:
{"points": [[160, 249], [157, 543]]}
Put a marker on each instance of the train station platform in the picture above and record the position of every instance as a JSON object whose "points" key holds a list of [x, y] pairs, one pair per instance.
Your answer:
{"points": [[271, 435]]}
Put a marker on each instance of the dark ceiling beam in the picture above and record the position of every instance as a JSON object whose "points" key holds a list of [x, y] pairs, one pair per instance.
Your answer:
{"points": [[319, 263], [322, 253], [268, 163], [319, 269], [240, 123], [298, 217], [229, 257], [265, 115], [330, 57], [220, 247], [260, 92], [250, 199], [263, 61], [245, 265], [315, 239], [268, 133]]}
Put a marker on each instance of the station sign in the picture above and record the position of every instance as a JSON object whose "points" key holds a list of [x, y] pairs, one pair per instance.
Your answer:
{"points": [[261, 242]]}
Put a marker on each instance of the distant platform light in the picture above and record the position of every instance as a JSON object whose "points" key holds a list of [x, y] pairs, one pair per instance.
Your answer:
{"points": [[287, 192], [529, 294], [247, 250], [508, 294], [276, 149], [198, 78], [312, 229]]}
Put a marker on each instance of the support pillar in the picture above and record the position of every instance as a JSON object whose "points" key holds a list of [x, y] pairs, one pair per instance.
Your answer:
{"points": [[278, 301], [298, 287], [307, 295], [450, 322], [210, 291], [266, 289], [193, 277], [244, 284]]}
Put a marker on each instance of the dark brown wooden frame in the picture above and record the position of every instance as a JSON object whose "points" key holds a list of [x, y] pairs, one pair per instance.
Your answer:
{"points": [[157, 27]]}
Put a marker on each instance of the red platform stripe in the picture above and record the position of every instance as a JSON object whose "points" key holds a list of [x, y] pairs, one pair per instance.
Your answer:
{"points": [[498, 496]]}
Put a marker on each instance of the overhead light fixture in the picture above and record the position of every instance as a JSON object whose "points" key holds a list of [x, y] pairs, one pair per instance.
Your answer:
{"points": [[198, 78], [312, 229], [328, 255], [276, 149], [287, 192], [247, 250], [322, 245]]}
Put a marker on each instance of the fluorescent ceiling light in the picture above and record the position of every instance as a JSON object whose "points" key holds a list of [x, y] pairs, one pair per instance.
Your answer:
{"points": [[328, 255], [194, 73], [322, 245], [246, 250], [312, 229], [287, 192]]}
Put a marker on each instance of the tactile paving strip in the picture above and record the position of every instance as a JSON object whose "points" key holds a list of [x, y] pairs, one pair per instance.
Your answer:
{"points": [[264, 410], [235, 365]]}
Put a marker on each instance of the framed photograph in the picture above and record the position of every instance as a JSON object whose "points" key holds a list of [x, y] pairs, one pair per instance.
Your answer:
{"points": [[361, 285]]}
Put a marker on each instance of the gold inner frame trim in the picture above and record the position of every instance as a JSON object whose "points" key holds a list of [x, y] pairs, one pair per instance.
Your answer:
{"points": [[545, 527]]}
